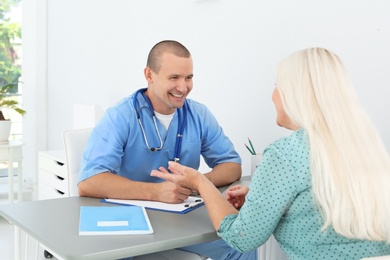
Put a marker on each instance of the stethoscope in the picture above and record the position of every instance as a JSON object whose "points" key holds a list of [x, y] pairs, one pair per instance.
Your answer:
{"points": [[180, 127]]}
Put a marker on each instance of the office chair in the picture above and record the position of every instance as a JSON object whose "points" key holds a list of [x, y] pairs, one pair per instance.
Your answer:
{"points": [[75, 141]]}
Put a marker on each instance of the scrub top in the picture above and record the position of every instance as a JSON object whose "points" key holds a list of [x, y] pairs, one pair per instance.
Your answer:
{"points": [[117, 143]]}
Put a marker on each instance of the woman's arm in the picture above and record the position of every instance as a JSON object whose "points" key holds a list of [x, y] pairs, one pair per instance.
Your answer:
{"points": [[217, 206]]}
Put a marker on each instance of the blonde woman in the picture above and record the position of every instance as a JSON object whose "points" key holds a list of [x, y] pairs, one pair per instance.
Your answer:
{"points": [[323, 190]]}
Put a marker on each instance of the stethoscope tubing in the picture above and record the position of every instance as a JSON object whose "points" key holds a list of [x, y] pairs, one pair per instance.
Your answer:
{"points": [[180, 127]]}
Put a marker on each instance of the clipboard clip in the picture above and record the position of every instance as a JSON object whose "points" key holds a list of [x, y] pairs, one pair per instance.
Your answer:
{"points": [[193, 203]]}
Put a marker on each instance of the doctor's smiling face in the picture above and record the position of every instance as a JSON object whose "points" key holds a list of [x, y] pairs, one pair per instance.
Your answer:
{"points": [[169, 86]]}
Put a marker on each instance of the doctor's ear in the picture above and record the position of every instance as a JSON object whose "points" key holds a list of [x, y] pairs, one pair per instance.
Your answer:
{"points": [[148, 75]]}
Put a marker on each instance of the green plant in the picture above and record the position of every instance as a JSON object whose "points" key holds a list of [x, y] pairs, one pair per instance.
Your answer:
{"points": [[8, 101], [10, 71]]}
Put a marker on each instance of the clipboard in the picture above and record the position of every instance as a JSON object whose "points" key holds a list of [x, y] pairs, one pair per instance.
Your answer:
{"points": [[181, 208]]}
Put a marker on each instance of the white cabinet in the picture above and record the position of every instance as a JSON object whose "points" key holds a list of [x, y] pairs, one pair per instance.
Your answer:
{"points": [[53, 175]]}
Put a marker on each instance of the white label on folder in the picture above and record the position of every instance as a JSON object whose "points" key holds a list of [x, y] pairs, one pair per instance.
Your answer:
{"points": [[112, 223]]}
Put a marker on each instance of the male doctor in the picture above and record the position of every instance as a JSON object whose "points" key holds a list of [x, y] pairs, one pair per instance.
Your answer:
{"points": [[151, 127]]}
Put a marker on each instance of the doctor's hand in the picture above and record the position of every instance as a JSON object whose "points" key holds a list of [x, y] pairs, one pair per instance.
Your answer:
{"points": [[170, 192], [181, 175], [236, 195]]}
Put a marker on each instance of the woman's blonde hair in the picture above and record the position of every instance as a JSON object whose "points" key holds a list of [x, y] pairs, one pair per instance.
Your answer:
{"points": [[350, 166]]}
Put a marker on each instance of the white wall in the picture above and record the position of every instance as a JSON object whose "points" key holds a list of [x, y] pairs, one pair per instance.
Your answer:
{"points": [[96, 52]]}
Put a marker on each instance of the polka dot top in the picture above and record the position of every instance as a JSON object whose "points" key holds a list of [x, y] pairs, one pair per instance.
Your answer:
{"points": [[280, 202]]}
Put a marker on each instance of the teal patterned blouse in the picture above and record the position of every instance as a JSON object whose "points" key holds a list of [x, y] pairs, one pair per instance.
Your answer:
{"points": [[280, 202]]}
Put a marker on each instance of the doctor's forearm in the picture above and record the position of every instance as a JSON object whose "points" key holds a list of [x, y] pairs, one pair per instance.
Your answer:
{"points": [[109, 185], [224, 174]]}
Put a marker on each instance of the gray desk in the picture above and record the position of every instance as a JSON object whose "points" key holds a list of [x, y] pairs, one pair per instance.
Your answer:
{"points": [[54, 223]]}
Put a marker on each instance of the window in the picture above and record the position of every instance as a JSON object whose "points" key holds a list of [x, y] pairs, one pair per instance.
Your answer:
{"points": [[10, 61]]}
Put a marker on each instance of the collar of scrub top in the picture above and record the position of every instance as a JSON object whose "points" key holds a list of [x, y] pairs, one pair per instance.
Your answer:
{"points": [[182, 120]]}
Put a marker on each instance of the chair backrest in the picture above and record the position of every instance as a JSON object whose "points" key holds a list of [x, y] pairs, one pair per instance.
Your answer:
{"points": [[75, 141]]}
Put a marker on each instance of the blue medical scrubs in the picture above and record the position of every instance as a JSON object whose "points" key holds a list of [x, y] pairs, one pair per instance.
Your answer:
{"points": [[117, 145]]}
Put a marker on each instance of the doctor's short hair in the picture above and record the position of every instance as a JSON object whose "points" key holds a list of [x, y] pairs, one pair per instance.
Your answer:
{"points": [[170, 46]]}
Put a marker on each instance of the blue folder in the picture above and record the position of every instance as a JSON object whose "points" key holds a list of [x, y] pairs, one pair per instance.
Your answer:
{"points": [[114, 220]]}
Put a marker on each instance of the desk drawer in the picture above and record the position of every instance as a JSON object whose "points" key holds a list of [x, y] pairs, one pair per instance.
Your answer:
{"points": [[48, 192], [50, 165], [53, 180]]}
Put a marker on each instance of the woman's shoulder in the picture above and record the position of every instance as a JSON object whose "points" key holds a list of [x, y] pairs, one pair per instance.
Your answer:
{"points": [[293, 148], [297, 140]]}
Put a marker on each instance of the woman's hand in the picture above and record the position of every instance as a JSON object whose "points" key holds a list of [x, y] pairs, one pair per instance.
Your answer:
{"points": [[181, 175], [236, 195], [217, 206]]}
